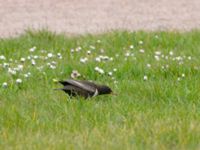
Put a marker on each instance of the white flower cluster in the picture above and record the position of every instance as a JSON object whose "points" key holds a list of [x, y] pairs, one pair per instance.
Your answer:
{"points": [[99, 70], [22, 67], [103, 58], [84, 60], [2, 57]]}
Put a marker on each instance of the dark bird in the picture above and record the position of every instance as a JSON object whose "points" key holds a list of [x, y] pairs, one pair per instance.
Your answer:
{"points": [[85, 89]]}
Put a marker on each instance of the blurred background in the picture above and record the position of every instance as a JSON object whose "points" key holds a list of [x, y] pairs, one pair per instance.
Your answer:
{"points": [[95, 16]]}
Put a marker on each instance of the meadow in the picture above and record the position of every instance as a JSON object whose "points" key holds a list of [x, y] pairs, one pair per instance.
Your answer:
{"points": [[156, 76]]}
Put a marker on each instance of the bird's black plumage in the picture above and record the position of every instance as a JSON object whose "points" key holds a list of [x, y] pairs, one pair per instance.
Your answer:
{"points": [[85, 89]]}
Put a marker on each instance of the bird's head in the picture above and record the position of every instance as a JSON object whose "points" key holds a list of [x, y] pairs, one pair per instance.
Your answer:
{"points": [[104, 90]]}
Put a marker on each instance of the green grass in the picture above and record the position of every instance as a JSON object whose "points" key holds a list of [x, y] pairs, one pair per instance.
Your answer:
{"points": [[159, 113]]}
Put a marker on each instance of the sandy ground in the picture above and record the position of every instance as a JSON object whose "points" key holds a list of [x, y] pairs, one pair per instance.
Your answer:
{"points": [[95, 16]]}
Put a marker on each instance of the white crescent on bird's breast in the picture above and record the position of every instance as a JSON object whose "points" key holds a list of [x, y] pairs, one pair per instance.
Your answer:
{"points": [[96, 93]]}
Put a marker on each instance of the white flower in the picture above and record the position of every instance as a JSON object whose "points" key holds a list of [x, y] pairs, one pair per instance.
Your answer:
{"points": [[140, 42], [96, 68], [59, 54], [189, 57], [149, 65], [171, 53], [52, 67], [101, 50], [141, 51], [98, 59], [19, 68], [5, 85], [92, 47], [127, 54], [183, 75], [29, 57], [115, 69], [33, 62], [75, 74], [72, 50], [157, 57], [2, 57], [78, 49], [145, 78], [32, 49], [116, 55], [50, 55], [35, 57], [84, 60], [19, 81], [104, 57], [158, 52], [12, 71], [101, 71], [179, 58], [53, 62], [98, 41], [131, 46], [6, 65], [110, 73], [179, 79], [26, 75], [88, 52], [156, 36], [22, 59]]}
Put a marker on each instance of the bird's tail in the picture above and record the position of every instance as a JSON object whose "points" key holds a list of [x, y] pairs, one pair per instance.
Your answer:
{"points": [[58, 89], [62, 82]]}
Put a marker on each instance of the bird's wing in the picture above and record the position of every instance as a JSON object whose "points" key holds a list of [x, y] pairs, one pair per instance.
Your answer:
{"points": [[75, 91], [84, 85]]}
